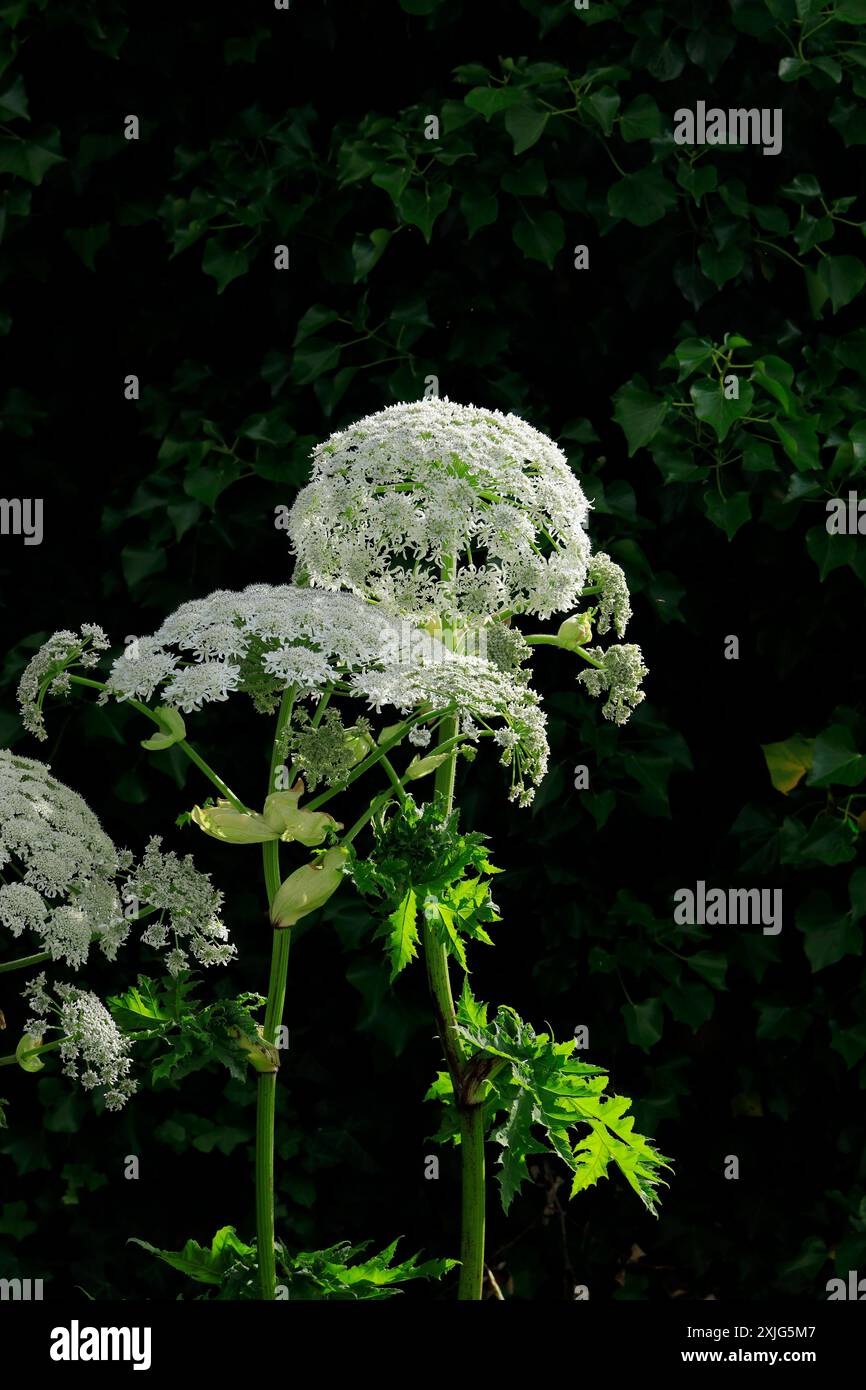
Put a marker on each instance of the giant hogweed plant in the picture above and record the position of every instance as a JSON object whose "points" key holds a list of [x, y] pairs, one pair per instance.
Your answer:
{"points": [[427, 534]]}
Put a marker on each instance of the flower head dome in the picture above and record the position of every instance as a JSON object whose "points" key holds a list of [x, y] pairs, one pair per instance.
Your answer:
{"points": [[265, 639], [67, 892], [430, 507], [73, 887]]}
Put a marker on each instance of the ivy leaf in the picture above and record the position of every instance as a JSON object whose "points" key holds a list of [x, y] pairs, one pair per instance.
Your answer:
{"points": [[604, 105], [541, 237], [479, 209], [829, 936], [367, 251], [30, 159], [641, 119], [525, 124], [836, 760], [713, 407], [641, 198], [223, 261], [491, 100], [728, 513], [13, 102], [843, 277], [720, 265], [638, 413], [420, 207], [643, 1023], [788, 761], [86, 241]]}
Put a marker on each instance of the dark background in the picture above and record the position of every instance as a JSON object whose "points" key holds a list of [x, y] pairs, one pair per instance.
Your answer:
{"points": [[730, 1043]]}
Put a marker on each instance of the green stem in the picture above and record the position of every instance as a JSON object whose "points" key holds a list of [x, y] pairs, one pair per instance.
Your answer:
{"points": [[472, 1207], [471, 1115], [183, 745], [267, 1084], [23, 962], [12, 1060]]}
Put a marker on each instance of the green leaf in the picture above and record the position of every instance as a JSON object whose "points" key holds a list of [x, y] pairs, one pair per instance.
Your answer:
{"points": [[479, 209], [644, 1023], [691, 353], [367, 250], [491, 100], [697, 179], [223, 261], [541, 237], [728, 513], [843, 277], [829, 936], [641, 119], [197, 1262], [713, 407], [799, 439], [604, 105], [403, 935], [312, 359], [420, 207], [525, 180], [86, 241], [720, 265], [836, 760], [13, 102], [30, 159], [788, 761], [525, 124], [641, 198], [639, 413]]}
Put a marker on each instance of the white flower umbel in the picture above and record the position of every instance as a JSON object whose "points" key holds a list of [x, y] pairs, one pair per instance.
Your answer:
{"points": [[47, 670], [614, 603], [93, 1049], [188, 905], [261, 640], [483, 697], [619, 676], [67, 883], [433, 508], [59, 865]]}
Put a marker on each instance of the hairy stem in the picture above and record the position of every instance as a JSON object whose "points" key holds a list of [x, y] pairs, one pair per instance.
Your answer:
{"points": [[267, 1083], [471, 1115]]}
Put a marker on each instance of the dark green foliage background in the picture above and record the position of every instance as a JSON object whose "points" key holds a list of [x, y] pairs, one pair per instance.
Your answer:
{"points": [[454, 258]]}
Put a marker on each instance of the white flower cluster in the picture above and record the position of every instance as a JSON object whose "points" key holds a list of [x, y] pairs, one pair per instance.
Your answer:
{"points": [[614, 605], [620, 676], [93, 1049], [72, 882], [47, 670], [175, 887], [66, 891], [430, 507], [479, 694], [261, 640], [266, 638]]}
